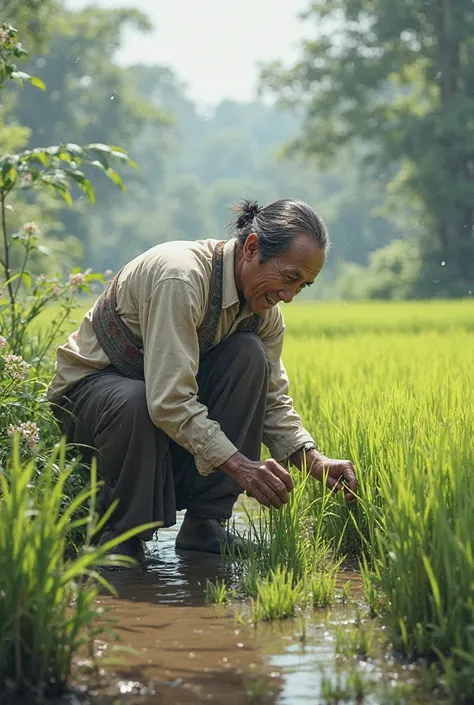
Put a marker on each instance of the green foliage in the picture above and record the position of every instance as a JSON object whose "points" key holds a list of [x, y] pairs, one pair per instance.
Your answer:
{"points": [[398, 76], [355, 641], [277, 596], [400, 406], [392, 273], [217, 593], [49, 608]]}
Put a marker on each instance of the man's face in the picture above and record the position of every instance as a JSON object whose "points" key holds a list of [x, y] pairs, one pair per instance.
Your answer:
{"points": [[282, 277]]}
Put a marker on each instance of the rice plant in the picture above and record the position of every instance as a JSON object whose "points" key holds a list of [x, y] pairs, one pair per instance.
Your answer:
{"points": [[277, 596], [217, 593], [48, 608], [401, 407]]}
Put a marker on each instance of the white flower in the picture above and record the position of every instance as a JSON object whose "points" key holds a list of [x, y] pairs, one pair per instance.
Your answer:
{"points": [[77, 279], [41, 279], [16, 367], [28, 431], [3, 342]]}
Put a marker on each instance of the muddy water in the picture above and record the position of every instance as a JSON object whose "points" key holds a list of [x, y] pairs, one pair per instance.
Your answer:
{"points": [[188, 652]]}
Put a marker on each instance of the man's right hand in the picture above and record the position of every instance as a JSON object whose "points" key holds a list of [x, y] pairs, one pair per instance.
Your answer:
{"points": [[265, 480]]}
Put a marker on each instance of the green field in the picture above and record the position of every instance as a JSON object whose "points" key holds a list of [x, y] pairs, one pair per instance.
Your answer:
{"points": [[390, 386]]}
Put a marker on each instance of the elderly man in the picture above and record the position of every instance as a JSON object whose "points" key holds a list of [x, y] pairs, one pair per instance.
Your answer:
{"points": [[175, 378]]}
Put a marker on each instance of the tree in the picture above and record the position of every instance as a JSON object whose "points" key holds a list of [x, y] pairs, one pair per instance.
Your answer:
{"points": [[398, 75], [90, 99]]}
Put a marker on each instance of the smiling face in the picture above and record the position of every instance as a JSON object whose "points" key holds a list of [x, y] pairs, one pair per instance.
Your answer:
{"points": [[282, 277]]}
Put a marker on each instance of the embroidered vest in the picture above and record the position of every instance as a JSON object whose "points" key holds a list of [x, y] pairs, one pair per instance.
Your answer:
{"points": [[125, 349]]}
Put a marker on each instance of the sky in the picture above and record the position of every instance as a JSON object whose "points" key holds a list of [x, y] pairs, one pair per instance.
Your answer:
{"points": [[213, 46]]}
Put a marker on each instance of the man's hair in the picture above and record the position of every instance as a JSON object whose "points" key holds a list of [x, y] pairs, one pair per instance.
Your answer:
{"points": [[277, 224]]}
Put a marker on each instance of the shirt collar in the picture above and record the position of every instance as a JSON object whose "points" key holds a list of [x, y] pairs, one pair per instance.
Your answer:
{"points": [[230, 296]]}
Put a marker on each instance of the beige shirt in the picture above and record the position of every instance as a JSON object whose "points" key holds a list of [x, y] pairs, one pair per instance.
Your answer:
{"points": [[162, 297]]}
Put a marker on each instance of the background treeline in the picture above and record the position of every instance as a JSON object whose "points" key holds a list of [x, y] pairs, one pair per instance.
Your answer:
{"points": [[372, 128]]}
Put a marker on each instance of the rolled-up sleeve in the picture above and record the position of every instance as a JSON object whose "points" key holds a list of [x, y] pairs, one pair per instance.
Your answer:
{"points": [[284, 432], [171, 358]]}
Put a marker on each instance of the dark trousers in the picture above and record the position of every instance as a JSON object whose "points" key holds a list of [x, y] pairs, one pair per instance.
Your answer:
{"points": [[141, 466]]}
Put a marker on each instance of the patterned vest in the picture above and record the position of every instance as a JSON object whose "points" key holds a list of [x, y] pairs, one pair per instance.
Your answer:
{"points": [[125, 349]]}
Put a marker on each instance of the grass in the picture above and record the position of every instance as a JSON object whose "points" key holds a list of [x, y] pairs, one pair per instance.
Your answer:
{"points": [[217, 593], [390, 386], [48, 609]]}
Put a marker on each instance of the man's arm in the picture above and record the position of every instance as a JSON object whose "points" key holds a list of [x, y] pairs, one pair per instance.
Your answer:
{"points": [[168, 321], [284, 433]]}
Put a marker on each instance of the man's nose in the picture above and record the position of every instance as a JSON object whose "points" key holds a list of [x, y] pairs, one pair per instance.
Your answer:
{"points": [[286, 296]]}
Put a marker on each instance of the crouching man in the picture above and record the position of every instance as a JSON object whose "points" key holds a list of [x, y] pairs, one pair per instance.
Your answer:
{"points": [[175, 378]]}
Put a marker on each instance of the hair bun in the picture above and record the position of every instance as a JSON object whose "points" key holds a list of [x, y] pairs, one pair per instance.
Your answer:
{"points": [[247, 212]]}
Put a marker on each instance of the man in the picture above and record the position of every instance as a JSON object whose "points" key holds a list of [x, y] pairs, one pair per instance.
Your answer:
{"points": [[175, 378]]}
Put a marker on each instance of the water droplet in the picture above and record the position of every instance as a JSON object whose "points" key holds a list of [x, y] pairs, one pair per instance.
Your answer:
{"points": [[443, 263], [112, 97]]}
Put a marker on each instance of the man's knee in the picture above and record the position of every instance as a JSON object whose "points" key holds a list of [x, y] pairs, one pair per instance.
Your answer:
{"points": [[249, 352], [126, 402]]}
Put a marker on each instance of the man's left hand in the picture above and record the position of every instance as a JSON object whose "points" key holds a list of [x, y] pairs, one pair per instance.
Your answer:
{"points": [[339, 474]]}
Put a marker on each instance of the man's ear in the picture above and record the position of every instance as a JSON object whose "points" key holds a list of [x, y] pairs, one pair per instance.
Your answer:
{"points": [[250, 248]]}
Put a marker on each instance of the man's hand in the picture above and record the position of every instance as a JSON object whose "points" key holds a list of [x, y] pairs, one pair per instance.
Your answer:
{"points": [[265, 480], [340, 474]]}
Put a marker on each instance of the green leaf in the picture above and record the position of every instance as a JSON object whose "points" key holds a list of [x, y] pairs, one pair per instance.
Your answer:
{"points": [[113, 176], [26, 276], [37, 82]]}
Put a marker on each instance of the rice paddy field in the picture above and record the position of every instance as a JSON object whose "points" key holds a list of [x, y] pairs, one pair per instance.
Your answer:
{"points": [[389, 386]]}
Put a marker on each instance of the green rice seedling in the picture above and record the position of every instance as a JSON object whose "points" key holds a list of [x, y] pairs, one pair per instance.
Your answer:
{"points": [[277, 596], [302, 630], [290, 539], [217, 593], [48, 607], [321, 586], [354, 641], [345, 592], [396, 695]]}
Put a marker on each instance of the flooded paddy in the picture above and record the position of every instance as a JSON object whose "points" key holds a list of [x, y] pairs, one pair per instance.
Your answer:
{"points": [[185, 651]]}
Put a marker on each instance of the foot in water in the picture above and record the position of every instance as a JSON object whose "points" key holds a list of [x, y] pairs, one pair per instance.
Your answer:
{"points": [[133, 548], [209, 536]]}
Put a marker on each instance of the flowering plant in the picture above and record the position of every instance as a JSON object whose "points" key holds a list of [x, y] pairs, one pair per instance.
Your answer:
{"points": [[25, 344]]}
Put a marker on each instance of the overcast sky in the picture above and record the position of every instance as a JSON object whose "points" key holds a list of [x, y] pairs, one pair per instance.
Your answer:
{"points": [[214, 46]]}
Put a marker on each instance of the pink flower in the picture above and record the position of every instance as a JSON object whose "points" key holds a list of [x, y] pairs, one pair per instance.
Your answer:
{"points": [[30, 228]]}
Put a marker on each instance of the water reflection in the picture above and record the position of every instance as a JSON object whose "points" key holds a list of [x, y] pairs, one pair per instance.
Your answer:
{"points": [[172, 577]]}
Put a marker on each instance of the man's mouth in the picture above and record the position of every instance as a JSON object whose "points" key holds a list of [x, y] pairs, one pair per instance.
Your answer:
{"points": [[270, 301]]}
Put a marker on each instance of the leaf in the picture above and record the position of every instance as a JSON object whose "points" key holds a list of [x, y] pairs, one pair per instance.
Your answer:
{"points": [[98, 146], [37, 82], [113, 176], [26, 276]]}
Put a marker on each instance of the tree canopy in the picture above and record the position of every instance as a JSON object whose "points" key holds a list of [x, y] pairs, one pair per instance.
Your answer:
{"points": [[398, 76]]}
